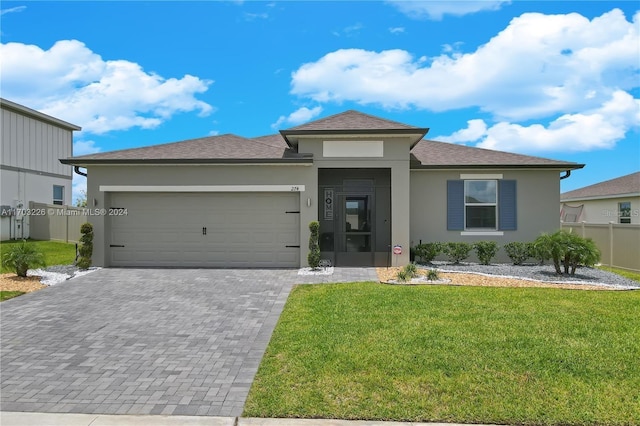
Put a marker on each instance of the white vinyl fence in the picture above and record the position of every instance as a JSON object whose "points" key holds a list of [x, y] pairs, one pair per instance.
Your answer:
{"points": [[618, 242], [56, 223]]}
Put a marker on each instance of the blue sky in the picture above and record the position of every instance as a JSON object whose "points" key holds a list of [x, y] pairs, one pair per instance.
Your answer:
{"points": [[553, 79]]}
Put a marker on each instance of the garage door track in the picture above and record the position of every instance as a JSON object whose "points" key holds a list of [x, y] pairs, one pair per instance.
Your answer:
{"points": [[133, 341]]}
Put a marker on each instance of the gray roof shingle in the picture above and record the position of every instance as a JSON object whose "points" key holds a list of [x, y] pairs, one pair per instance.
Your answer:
{"points": [[629, 184], [222, 147], [432, 154], [231, 148], [351, 120]]}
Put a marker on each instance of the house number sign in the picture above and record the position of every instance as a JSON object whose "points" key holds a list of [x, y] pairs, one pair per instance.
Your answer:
{"points": [[328, 204]]}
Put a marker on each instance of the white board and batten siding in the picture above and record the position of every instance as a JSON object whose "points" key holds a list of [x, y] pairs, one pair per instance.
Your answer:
{"points": [[32, 144], [205, 229]]}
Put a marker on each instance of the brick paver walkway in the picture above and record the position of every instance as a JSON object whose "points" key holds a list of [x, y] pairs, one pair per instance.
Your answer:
{"points": [[144, 341]]}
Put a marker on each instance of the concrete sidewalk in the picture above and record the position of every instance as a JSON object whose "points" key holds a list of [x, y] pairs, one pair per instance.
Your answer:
{"points": [[58, 419]]}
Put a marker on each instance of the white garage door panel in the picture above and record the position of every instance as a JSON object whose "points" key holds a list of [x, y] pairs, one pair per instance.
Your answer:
{"points": [[242, 230]]}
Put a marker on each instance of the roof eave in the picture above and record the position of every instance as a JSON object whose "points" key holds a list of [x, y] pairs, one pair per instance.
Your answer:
{"points": [[560, 167], [600, 197], [187, 161], [291, 136]]}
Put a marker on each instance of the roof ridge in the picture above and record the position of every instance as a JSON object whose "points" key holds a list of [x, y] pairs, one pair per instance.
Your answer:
{"points": [[352, 111]]}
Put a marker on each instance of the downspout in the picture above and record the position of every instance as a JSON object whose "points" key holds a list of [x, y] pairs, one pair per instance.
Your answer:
{"points": [[77, 170], [568, 173]]}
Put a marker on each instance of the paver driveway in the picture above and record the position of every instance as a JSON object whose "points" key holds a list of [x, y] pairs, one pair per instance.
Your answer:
{"points": [[134, 341]]}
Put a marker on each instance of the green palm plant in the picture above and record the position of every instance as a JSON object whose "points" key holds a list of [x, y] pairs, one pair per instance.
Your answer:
{"points": [[567, 251], [21, 257]]}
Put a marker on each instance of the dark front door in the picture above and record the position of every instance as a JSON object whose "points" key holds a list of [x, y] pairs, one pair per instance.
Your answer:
{"points": [[356, 236]]}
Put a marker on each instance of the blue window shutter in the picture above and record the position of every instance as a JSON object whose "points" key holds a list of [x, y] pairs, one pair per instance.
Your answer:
{"points": [[507, 213], [455, 205]]}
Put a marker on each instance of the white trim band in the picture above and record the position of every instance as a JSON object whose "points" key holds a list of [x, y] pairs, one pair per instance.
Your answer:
{"points": [[202, 188], [481, 176], [482, 233]]}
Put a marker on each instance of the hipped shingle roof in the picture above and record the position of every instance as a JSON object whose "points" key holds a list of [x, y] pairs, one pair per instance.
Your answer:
{"points": [[624, 185]]}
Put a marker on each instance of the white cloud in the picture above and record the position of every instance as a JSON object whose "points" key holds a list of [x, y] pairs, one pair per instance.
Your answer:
{"points": [[71, 82], [12, 10], [475, 130], [599, 128], [299, 116], [396, 30], [81, 147], [539, 65], [349, 30], [435, 10], [78, 187]]}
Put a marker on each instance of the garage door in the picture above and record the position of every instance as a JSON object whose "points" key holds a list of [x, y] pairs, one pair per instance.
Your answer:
{"points": [[205, 229]]}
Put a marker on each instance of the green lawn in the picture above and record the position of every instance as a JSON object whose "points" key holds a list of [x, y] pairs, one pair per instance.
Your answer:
{"points": [[624, 272], [4, 295], [524, 356], [55, 253]]}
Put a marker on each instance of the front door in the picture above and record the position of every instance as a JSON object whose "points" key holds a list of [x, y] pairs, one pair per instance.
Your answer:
{"points": [[356, 236]]}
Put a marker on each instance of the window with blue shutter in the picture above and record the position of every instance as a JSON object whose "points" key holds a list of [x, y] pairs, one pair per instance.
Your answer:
{"points": [[455, 205], [479, 204]]}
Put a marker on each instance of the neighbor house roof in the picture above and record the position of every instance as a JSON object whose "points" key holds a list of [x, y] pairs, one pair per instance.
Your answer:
{"points": [[442, 155], [230, 148], [628, 185], [21, 109]]}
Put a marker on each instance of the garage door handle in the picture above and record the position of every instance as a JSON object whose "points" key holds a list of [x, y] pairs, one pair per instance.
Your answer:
{"points": [[115, 245], [204, 230], [292, 246]]}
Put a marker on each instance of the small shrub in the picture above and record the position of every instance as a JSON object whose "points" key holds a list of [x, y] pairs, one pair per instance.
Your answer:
{"points": [[518, 252], [21, 257], [86, 247], [403, 276], [485, 250], [411, 269], [457, 252], [535, 252], [428, 251], [433, 275], [313, 258], [407, 273]]}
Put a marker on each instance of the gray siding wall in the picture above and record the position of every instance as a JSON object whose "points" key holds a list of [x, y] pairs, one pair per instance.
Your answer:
{"points": [[28, 143], [196, 175], [538, 196]]}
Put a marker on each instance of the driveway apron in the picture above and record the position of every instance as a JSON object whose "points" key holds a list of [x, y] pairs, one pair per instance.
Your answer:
{"points": [[140, 341]]}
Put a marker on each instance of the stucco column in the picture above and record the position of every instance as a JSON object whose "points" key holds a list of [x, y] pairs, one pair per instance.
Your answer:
{"points": [[400, 191]]}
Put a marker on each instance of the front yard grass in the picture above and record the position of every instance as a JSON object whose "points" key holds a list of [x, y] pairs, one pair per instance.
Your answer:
{"points": [[5, 295], [525, 356], [632, 275], [55, 252]]}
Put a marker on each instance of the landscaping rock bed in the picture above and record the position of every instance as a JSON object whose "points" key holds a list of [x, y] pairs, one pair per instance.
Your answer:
{"points": [[507, 275]]}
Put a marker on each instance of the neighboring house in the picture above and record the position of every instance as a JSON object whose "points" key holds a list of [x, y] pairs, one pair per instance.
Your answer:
{"points": [[373, 184], [616, 200], [32, 143]]}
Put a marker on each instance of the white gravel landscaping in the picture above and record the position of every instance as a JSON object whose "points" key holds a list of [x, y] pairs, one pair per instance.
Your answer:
{"points": [[53, 275]]}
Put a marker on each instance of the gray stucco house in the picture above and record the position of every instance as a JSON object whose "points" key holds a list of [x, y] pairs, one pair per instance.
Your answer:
{"points": [[372, 183]]}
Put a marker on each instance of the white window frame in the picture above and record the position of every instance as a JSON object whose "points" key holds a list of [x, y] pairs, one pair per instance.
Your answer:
{"points": [[495, 205], [58, 201], [620, 216]]}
